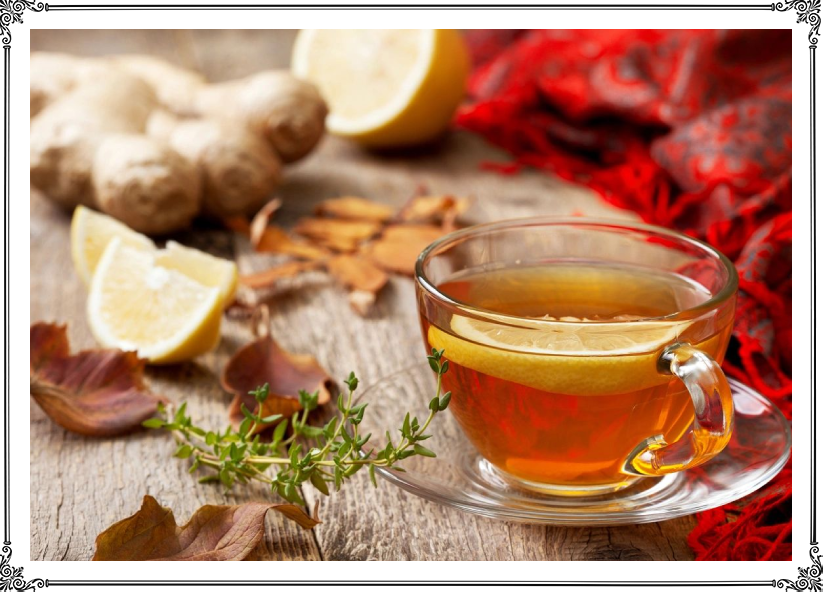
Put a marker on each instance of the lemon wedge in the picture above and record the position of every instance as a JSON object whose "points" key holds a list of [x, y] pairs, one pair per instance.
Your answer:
{"points": [[203, 268], [136, 305], [385, 88], [574, 358], [90, 235], [92, 231]]}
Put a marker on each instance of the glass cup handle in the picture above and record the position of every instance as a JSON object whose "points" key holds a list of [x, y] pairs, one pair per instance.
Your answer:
{"points": [[713, 416]]}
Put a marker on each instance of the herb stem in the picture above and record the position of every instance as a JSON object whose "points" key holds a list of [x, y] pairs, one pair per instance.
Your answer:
{"points": [[234, 455]]}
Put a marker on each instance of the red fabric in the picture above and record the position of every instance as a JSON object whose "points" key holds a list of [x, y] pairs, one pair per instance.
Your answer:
{"points": [[692, 130]]}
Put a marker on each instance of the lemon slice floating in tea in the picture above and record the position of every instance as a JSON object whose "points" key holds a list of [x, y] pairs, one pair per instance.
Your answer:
{"points": [[575, 358]]}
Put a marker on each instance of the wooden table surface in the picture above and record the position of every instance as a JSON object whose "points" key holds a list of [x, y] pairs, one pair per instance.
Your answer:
{"points": [[80, 486]]}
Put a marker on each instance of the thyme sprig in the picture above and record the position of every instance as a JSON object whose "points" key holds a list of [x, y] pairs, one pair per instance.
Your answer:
{"points": [[333, 454]]}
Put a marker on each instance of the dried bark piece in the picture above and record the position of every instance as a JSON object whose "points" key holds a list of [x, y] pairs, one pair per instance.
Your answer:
{"points": [[269, 277], [238, 224], [263, 361], [362, 302], [357, 273], [276, 240], [434, 208], [261, 220], [362, 277], [339, 235], [214, 533], [354, 208], [94, 392], [397, 249]]}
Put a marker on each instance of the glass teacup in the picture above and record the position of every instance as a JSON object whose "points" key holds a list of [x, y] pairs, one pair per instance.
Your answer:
{"points": [[583, 354]]}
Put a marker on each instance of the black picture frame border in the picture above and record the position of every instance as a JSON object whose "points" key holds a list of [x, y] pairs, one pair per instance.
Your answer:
{"points": [[11, 578]]}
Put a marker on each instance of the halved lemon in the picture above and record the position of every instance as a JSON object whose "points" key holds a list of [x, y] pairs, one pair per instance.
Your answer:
{"points": [[201, 267], [562, 357], [385, 88], [136, 305], [90, 235]]}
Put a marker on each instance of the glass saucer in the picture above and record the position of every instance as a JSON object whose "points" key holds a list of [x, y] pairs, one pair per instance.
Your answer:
{"points": [[459, 477]]}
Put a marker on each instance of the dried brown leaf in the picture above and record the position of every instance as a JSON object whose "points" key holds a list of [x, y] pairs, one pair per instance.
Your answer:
{"points": [[276, 240], [354, 208], [398, 247], [94, 392], [269, 277], [214, 533], [339, 235], [263, 361], [261, 220]]}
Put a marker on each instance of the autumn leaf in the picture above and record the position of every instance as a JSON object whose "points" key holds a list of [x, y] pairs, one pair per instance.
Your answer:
{"points": [[263, 361], [397, 249], [95, 392], [354, 208], [214, 533]]}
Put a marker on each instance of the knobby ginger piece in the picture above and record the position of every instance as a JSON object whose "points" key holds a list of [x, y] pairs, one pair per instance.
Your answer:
{"points": [[238, 169]]}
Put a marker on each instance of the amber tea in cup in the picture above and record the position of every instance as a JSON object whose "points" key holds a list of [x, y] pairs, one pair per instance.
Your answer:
{"points": [[582, 355]]}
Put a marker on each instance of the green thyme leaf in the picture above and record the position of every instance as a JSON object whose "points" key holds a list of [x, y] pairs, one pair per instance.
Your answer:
{"points": [[423, 451], [154, 422]]}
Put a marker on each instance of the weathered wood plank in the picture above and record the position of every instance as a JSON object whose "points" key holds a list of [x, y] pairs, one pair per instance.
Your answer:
{"points": [[80, 486]]}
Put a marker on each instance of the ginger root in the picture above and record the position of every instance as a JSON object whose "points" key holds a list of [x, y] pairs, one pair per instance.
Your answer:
{"points": [[154, 145], [89, 148], [238, 169]]}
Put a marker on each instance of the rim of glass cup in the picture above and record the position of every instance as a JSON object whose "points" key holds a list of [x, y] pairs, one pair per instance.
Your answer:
{"points": [[728, 290]]}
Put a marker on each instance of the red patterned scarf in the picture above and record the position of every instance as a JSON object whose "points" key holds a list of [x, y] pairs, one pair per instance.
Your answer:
{"points": [[691, 130]]}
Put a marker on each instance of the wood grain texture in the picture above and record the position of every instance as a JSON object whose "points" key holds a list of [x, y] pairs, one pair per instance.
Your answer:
{"points": [[79, 486]]}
